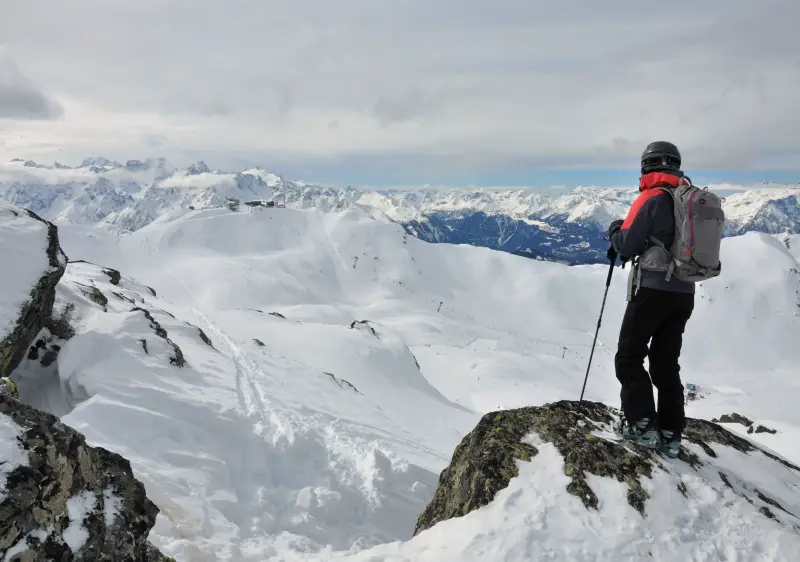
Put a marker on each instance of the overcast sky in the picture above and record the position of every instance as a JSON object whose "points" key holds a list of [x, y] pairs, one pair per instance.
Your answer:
{"points": [[389, 91]]}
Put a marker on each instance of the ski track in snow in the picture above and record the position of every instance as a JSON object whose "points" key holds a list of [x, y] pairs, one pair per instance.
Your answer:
{"points": [[250, 397], [254, 407], [262, 452]]}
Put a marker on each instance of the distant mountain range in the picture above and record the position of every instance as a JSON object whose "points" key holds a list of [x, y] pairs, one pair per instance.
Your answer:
{"points": [[569, 228]]}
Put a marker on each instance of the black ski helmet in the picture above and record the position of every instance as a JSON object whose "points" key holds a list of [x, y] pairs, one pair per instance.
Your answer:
{"points": [[661, 156]]}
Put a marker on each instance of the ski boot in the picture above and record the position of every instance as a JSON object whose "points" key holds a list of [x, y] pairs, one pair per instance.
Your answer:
{"points": [[644, 432], [670, 443]]}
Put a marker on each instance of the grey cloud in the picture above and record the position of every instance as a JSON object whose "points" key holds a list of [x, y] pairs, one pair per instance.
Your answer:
{"points": [[409, 106], [20, 98], [154, 140], [578, 82]]}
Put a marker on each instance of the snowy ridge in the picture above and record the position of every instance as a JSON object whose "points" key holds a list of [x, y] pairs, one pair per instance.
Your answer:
{"points": [[771, 210], [131, 195], [23, 243]]}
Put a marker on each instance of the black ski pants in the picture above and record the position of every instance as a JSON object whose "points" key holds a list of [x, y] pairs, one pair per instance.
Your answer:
{"points": [[657, 318]]}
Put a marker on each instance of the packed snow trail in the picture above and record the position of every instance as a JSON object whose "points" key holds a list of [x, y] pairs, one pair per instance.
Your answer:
{"points": [[251, 398]]}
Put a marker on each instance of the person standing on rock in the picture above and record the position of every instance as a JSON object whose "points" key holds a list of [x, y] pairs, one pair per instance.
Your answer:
{"points": [[660, 296]]}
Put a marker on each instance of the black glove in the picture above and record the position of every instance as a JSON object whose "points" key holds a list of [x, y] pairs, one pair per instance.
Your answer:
{"points": [[613, 227], [612, 254]]}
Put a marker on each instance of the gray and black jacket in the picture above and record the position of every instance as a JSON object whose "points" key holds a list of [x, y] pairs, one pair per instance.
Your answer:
{"points": [[651, 216]]}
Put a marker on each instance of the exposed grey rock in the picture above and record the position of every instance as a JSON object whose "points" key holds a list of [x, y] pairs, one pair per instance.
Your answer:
{"points": [[363, 325], [37, 311], [63, 478], [9, 388], [486, 459], [97, 296], [177, 357], [114, 276], [762, 429], [342, 383], [734, 418]]}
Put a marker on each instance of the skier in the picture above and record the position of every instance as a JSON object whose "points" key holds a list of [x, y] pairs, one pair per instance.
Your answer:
{"points": [[660, 294]]}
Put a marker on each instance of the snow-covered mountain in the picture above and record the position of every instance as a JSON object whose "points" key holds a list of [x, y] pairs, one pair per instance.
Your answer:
{"points": [[568, 228], [289, 383]]}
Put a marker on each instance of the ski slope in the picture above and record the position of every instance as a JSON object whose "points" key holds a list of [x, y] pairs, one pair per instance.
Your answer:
{"points": [[332, 364]]}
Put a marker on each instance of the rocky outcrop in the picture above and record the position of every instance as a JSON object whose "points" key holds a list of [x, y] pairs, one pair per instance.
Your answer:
{"points": [[487, 459], [363, 325], [734, 418], [114, 276], [65, 500], [342, 383], [9, 388], [177, 359], [37, 311], [60, 499], [748, 423]]}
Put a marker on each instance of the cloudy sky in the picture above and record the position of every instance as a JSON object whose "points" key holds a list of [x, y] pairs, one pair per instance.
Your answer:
{"points": [[407, 91]]}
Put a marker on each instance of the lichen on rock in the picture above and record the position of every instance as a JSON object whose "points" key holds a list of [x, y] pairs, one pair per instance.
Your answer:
{"points": [[9, 388], [487, 458], [97, 297], [64, 476]]}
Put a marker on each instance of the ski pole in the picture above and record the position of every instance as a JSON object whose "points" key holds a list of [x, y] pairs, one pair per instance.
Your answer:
{"points": [[599, 319]]}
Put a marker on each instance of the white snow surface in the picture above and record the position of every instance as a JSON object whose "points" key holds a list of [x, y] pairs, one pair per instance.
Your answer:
{"points": [[303, 438], [535, 518], [78, 507], [23, 247]]}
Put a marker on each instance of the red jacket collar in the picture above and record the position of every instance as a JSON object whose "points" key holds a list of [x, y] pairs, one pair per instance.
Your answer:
{"points": [[660, 179]]}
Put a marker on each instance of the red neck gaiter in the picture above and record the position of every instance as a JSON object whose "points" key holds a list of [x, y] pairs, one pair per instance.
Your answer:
{"points": [[658, 179]]}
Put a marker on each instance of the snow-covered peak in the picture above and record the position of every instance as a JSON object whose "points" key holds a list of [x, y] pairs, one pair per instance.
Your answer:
{"points": [[138, 192], [591, 206], [774, 210], [198, 168], [412, 204], [99, 163]]}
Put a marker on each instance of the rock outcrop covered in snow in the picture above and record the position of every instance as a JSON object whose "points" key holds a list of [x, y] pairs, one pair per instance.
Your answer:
{"points": [[60, 499], [65, 500], [33, 263], [487, 460]]}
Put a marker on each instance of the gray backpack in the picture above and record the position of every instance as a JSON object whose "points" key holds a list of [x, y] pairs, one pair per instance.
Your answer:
{"points": [[699, 224]]}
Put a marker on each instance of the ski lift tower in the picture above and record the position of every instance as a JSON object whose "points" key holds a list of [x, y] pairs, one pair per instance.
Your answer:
{"points": [[280, 200]]}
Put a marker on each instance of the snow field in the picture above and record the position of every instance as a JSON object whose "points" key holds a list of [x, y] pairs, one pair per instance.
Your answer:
{"points": [[240, 465], [321, 441]]}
